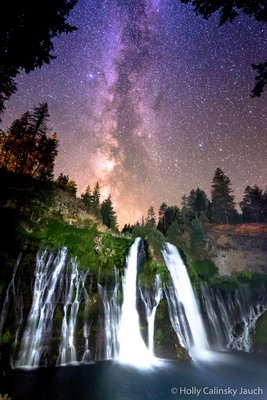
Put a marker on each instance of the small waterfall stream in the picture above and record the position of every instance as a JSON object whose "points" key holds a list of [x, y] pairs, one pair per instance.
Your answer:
{"points": [[151, 301], [11, 288]]}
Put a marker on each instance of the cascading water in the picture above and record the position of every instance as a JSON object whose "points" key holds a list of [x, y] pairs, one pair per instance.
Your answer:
{"points": [[209, 299], [132, 347], [184, 312], [40, 320], [60, 287], [151, 301], [112, 314], [86, 326], [11, 287], [67, 349], [237, 309]]}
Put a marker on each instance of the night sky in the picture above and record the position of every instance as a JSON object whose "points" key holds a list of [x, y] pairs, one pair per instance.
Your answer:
{"points": [[148, 99]]}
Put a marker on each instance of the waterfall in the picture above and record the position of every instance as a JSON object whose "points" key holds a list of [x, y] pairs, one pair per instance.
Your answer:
{"points": [[233, 318], [184, 312], [40, 320], [151, 301], [60, 289], [132, 347], [11, 287], [209, 299], [112, 314], [86, 327], [67, 348]]}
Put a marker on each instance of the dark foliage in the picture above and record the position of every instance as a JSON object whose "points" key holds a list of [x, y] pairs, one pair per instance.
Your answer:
{"points": [[26, 32], [228, 10], [25, 147]]}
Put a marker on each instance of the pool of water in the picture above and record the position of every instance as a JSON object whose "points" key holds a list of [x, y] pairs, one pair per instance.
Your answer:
{"points": [[227, 376]]}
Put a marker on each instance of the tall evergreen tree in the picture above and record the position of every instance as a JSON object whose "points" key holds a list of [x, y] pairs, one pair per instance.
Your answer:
{"points": [[197, 234], [151, 217], [87, 198], [223, 206], [96, 200], [47, 151], [198, 203], [186, 213], [252, 205], [161, 222], [25, 147], [108, 214]]}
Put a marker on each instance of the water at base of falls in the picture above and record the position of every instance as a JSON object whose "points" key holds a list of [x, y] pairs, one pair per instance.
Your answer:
{"points": [[176, 380], [132, 348]]}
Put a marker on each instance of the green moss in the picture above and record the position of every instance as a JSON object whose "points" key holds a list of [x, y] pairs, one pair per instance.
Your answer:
{"points": [[6, 338], [231, 283], [93, 249], [149, 272], [159, 336], [154, 241], [162, 310], [204, 269], [260, 336]]}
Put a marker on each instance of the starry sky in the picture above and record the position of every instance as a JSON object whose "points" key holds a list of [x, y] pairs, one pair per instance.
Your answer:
{"points": [[148, 99]]}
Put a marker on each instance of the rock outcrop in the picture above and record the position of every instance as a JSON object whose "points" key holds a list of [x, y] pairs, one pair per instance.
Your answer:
{"points": [[239, 248]]}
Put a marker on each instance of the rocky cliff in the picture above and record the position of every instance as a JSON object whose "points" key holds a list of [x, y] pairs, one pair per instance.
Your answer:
{"points": [[238, 248]]}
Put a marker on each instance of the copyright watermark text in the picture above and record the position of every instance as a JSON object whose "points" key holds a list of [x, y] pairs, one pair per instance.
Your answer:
{"points": [[215, 390]]}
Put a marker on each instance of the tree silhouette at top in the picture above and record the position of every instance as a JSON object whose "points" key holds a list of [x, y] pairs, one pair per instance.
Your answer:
{"points": [[26, 32], [26, 148], [252, 205], [108, 214], [223, 206], [228, 11]]}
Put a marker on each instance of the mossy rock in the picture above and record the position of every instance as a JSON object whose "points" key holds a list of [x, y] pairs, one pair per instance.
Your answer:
{"points": [[260, 335]]}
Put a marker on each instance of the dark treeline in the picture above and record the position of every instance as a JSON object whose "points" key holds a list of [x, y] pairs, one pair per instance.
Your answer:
{"points": [[28, 149], [196, 208]]}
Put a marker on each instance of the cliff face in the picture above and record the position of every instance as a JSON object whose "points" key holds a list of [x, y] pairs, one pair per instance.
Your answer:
{"points": [[239, 248]]}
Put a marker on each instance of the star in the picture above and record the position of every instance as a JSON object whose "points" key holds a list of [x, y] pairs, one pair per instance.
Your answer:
{"points": [[149, 99]]}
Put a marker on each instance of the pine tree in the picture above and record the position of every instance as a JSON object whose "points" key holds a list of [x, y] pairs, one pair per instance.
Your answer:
{"points": [[96, 200], [39, 118], [47, 152], [223, 206], [197, 234], [186, 213], [108, 214], [161, 223], [26, 148], [198, 203], [151, 217], [87, 198], [252, 205]]}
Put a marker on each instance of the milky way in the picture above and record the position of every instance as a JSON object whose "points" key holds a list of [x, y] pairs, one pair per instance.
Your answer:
{"points": [[148, 99]]}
